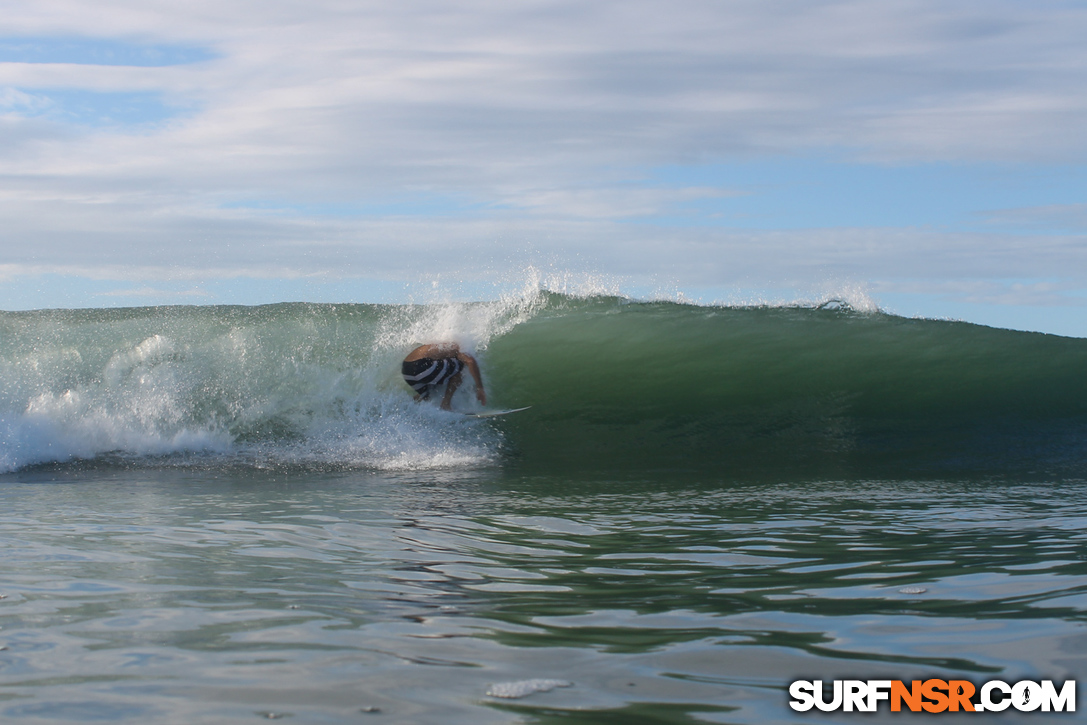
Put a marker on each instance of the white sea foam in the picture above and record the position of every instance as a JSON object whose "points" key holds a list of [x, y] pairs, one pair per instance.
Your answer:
{"points": [[524, 688], [290, 385]]}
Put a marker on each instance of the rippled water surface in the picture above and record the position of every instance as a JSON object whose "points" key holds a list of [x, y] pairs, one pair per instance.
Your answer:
{"points": [[181, 596]]}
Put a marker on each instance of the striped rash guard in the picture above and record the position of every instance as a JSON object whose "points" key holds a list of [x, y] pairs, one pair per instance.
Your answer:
{"points": [[425, 374]]}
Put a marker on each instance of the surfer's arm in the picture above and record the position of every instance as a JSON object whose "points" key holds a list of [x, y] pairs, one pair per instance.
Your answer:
{"points": [[473, 370]]}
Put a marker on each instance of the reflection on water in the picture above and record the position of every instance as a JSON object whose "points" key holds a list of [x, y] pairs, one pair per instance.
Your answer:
{"points": [[181, 596]]}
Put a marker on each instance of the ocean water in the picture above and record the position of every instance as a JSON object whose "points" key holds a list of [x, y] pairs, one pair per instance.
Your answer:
{"points": [[232, 514]]}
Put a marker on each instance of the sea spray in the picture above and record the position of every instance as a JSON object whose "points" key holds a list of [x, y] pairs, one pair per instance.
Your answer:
{"points": [[281, 384]]}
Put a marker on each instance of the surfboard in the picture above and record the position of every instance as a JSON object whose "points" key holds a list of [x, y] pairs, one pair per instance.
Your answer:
{"points": [[495, 413]]}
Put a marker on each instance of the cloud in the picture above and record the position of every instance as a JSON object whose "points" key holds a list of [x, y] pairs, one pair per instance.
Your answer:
{"points": [[12, 99], [491, 93], [192, 244], [1007, 292], [612, 202], [538, 122], [1052, 216], [153, 292]]}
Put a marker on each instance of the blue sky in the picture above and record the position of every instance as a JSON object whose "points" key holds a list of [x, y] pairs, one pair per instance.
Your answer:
{"points": [[924, 156], [98, 51]]}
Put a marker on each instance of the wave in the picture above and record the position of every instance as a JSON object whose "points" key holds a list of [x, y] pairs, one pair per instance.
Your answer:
{"points": [[614, 384]]}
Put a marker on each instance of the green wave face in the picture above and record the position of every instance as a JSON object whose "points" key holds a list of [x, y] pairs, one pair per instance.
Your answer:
{"points": [[768, 391], [614, 385]]}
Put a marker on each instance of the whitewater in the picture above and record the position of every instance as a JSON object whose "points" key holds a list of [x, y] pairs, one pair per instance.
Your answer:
{"points": [[273, 385]]}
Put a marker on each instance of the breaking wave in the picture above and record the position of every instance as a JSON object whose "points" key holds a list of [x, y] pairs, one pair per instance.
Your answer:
{"points": [[816, 390]]}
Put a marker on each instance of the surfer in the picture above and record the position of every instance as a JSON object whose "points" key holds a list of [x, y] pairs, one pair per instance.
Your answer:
{"points": [[428, 366]]}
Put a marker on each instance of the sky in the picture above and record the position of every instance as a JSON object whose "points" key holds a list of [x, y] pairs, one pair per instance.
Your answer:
{"points": [[926, 156]]}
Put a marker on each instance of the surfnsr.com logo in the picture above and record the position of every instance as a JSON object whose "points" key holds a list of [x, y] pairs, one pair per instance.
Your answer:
{"points": [[933, 696]]}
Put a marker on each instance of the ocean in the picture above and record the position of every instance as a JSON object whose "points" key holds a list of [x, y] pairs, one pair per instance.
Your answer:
{"points": [[225, 514]]}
